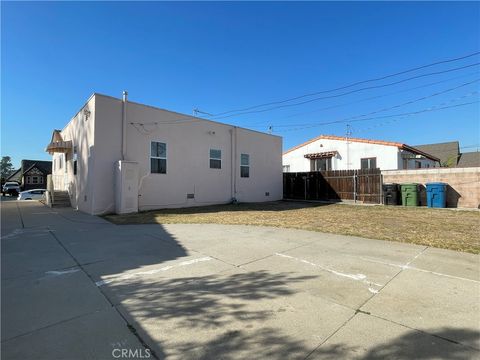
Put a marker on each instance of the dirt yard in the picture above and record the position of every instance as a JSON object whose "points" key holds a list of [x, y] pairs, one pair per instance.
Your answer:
{"points": [[442, 228]]}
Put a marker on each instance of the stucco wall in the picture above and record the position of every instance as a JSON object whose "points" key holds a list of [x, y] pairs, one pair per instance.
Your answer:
{"points": [[349, 157], [188, 146], [80, 130], [464, 183]]}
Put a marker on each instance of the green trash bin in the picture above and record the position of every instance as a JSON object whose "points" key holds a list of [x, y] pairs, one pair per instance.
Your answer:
{"points": [[409, 194]]}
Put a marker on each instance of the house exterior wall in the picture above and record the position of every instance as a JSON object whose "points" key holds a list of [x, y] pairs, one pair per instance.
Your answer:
{"points": [[411, 163], [188, 148], [348, 156], [80, 130], [464, 183]]}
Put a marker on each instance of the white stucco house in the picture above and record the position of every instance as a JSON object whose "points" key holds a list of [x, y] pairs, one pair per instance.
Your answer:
{"points": [[120, 156], [328, 152]]}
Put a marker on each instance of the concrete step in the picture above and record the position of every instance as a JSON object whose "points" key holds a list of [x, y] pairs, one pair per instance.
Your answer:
{"points": [[61, 199]]}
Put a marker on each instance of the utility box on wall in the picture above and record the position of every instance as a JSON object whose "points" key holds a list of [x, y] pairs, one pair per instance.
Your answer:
{"points": [[126, 187]]}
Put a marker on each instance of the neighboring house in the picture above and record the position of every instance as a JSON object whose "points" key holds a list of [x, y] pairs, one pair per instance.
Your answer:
{"points": [[328, 152], [450, 155], [32, 174], [447, 152], [118, 155], [469, 159]]}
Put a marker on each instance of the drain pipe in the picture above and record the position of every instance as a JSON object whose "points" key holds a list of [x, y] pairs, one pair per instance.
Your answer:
{"points": [[124, 124], [233, 170]]}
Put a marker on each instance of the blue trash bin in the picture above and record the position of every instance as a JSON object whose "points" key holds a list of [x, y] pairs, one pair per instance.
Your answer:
{"points": [[436, 195]]}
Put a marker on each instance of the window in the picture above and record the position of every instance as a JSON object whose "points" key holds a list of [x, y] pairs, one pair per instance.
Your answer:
{"points": [[368, 163], [321, 164], [34, 179], [286, 168], [60, 161], [405, 163], [244, 165], [158, 157], [75, 157], [418, 165], [215, 159]]}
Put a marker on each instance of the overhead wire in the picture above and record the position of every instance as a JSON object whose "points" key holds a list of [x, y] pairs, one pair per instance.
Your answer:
{"points": [[349, 85], [433, 108], [346, 93], [396, 106]]}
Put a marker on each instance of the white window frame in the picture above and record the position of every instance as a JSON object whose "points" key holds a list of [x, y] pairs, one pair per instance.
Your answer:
{"points": [[158, 157], [214, 158], [245, 166]]}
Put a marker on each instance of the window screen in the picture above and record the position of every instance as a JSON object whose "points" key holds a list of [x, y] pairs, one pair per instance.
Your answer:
{"points": [[158, 157], [244, 165], [215, 159]]}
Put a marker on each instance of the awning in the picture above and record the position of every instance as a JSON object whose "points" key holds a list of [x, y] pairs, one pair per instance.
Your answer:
{"points": [[57, 144], [321, 155]]}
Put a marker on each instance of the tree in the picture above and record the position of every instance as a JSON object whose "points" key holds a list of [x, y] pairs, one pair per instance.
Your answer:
{"points": [[6, 166]]}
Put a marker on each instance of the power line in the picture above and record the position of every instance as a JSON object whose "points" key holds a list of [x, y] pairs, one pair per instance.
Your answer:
{"points": [[377, 97], [347, 93], [381, 117], [398, 105], [348, 86]]}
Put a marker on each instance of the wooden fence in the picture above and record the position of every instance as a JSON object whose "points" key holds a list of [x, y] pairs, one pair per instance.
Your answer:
{"points": [[335, 185]]}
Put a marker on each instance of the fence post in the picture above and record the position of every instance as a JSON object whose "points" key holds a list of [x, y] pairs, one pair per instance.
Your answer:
{"points": [[381, 189], [354, 186], [305, 185]]}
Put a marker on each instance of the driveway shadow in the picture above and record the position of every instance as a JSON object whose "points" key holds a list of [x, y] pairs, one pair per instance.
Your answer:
{"points": [[412, 345]]}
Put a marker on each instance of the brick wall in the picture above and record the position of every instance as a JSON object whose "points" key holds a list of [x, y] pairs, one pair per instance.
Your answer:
{"points": [[463, 188]]}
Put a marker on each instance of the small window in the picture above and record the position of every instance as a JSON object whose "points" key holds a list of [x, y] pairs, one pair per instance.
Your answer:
{"points": [[75, 158], [418, 164], [368, 163], [35, 180], [323, 164], [244, 165], [286, 168], [158, 157], [215, 159]]}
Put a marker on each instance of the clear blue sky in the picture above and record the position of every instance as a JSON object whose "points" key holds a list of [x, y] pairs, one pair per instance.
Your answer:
{"points": [[222, 56]]}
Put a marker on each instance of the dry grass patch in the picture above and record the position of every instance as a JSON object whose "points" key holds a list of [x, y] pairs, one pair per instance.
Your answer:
{"points": [[442, 228]]}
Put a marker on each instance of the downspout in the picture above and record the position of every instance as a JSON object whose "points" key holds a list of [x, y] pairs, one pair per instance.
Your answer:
{"points": [[233, 151], [124, 124], [231, 165]]}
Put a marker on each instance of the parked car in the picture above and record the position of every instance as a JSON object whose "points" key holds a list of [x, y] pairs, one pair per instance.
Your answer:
{"points": [[10, 188], [35, 194]]}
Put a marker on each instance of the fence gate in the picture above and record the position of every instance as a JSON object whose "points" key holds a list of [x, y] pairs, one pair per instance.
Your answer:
{"points": [[335, 185]]}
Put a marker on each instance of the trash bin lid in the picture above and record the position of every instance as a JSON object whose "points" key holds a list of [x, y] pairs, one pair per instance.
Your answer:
{"points": [[436, 183]]}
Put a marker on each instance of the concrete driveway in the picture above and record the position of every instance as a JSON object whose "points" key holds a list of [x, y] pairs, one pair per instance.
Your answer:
{"points": [[77, 287]]}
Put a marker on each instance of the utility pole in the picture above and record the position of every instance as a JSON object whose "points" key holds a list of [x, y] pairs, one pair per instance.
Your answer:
{"points": [[348, 134]]}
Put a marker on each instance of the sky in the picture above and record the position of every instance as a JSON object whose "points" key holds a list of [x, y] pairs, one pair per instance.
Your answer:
{"points": [[221, 56]]}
